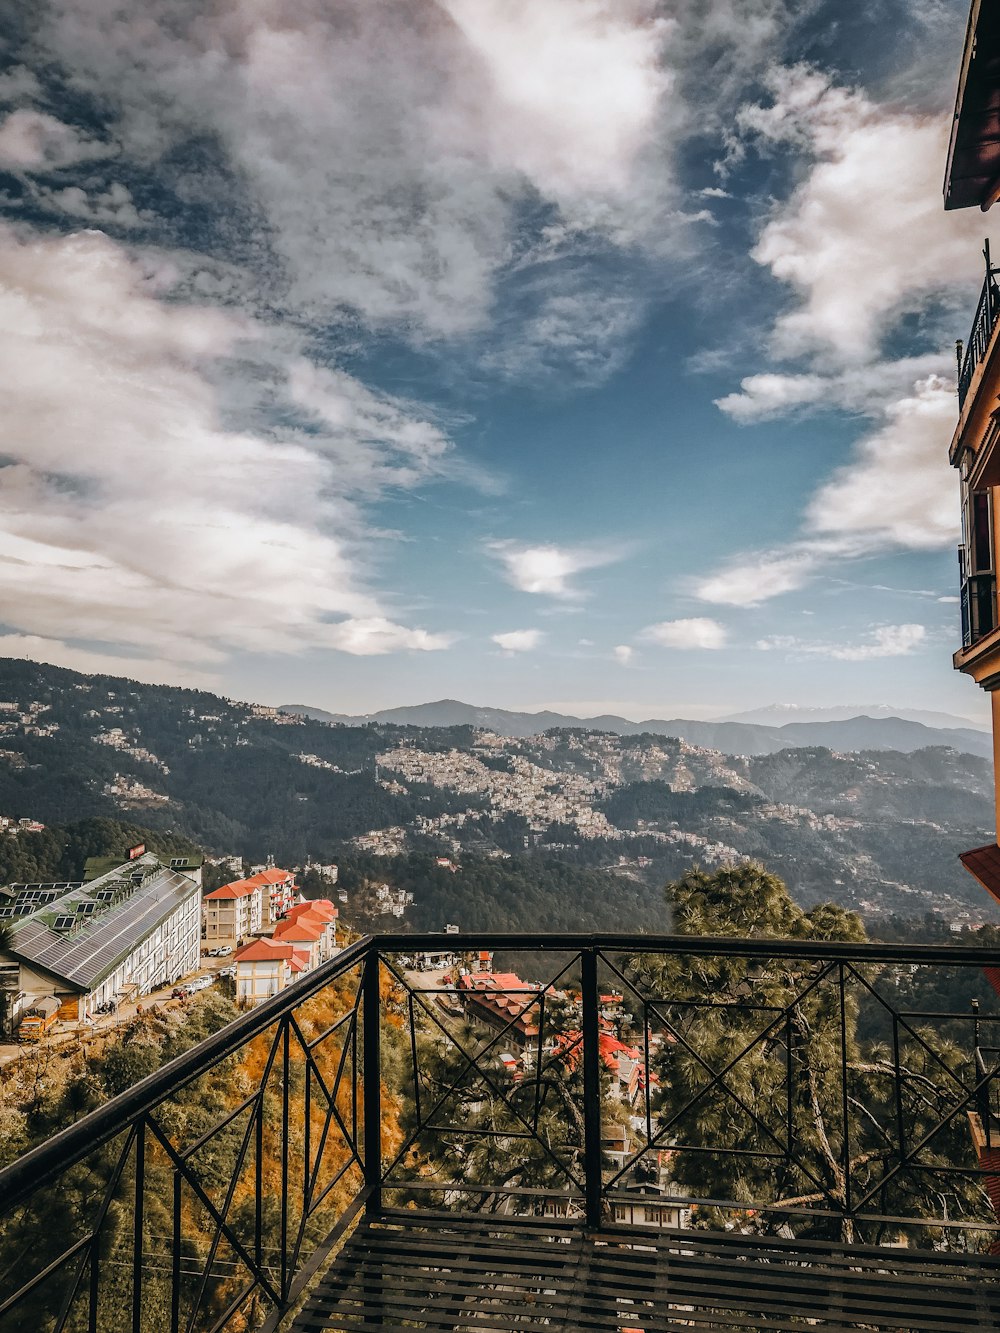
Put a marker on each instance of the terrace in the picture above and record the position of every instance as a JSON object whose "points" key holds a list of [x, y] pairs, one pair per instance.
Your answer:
{"points": [[805, 1148]]}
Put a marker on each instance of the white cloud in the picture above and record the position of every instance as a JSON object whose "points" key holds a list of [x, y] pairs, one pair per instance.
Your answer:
{"points": [[697, 632], [570, 87], [883, 641], [863, 239], [375, 635], [34, 648], [19, 84], [865, 389], [756, 577], [132, 516], [114, 205], [518, 640], [623, 654], [898, 489], [887, 641], [33, 141], [547, 570], [386, 151]]}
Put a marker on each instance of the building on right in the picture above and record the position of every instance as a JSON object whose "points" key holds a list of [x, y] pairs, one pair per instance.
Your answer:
{"points": [[972, 177]]}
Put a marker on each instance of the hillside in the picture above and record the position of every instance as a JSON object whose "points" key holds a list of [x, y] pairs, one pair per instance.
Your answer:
{"points": [[733, 736], [878, 830]]}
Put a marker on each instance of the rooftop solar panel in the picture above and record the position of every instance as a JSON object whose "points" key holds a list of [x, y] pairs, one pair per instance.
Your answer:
{"points": [[102, 941]]}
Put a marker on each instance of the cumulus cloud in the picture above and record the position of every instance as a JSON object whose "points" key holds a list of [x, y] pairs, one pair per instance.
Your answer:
{"points": [[883, 641], [623, 654], [113, 205], [863, 239], [864, 389], [132, 516], [698, 632], [898, 489], [379, 155], [548, 570], [34, 141], [518, 640]]}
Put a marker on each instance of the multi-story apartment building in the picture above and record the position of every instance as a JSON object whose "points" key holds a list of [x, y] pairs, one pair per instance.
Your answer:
{"points": [[231, 914], [972, 177], [127, 932], [311, 928], [278, 892]]}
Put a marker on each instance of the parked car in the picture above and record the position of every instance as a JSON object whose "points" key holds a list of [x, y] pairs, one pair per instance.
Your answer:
{"points": [[229, 971], [200, 983], [179, 992]]}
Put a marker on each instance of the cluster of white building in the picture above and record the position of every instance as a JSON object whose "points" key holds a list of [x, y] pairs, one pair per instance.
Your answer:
{"points": [[542, 795], [128, 929], [276, 936], [137, 924]]}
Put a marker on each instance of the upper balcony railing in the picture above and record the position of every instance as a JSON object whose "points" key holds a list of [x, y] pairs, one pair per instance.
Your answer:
{"points": [[795, 1090], [987, 313]]}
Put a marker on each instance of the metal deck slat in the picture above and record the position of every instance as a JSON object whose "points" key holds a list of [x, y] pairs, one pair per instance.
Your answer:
{"points": [[497, 1275]]}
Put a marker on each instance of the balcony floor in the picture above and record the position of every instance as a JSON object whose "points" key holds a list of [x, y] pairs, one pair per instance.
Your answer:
{"points": [[411, 1269]]}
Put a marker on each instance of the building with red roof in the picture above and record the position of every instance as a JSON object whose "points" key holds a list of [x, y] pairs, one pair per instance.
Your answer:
{"points": [[501, 1002], [231, 914], [278, 893], [263, 968], [311, 927]]}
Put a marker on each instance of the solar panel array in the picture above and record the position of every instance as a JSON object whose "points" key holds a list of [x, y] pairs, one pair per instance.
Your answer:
{"points": [[94, 927]]}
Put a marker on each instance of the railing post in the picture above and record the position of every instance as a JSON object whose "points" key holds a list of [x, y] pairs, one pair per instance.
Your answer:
{"points": [[591, 1090], [371, 1013]]}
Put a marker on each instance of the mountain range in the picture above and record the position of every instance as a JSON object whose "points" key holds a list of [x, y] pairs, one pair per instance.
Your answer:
{"points": [[577, 828], [731, 736]]}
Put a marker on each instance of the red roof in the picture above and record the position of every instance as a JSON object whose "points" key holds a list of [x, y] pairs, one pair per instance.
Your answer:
{"points": [[259, 951], [983, 863], [320, 908], [300, 960], [240, 888], [299, 930], [271, 877]]}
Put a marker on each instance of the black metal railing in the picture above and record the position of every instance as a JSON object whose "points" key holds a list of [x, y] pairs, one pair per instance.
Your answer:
{"points": [[987, 313], [979, 607], [808, 1090]]}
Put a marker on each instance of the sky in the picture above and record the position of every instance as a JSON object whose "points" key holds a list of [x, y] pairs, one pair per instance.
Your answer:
{"points": [[584, 354]]}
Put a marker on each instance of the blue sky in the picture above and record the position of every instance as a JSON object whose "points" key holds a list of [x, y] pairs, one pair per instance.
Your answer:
{"points": [[595, 354]]}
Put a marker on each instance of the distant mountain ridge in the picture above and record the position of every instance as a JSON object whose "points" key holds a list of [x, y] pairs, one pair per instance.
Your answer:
{"points": [[856, 733], [776, 715]]}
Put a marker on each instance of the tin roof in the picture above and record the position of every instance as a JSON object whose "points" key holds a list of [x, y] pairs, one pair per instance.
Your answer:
{"points": [[100, 923], [983, 863]]}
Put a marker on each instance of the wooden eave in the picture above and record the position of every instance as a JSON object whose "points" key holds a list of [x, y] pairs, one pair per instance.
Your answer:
{"points": [[972, 174]]}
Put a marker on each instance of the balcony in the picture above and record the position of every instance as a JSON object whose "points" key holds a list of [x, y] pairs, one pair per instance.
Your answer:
{"points": [[648, 1133], [979, 607], [987, 313]]}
